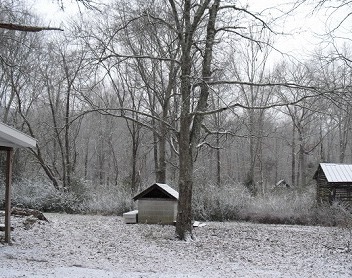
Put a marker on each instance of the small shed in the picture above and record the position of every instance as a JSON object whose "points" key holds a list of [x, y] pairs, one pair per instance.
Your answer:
{"points": [[334, 183], [157, 204], [11, 138]]}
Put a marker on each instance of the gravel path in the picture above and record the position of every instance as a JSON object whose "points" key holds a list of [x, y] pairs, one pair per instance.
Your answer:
{"points": [[103, 246]]}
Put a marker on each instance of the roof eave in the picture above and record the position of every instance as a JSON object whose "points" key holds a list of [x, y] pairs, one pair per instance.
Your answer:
{"points": [[152, 187], [11, 137]]}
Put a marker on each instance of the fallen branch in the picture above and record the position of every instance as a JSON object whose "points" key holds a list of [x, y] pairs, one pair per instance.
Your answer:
{"points": [[27, 28], [28, 212]]}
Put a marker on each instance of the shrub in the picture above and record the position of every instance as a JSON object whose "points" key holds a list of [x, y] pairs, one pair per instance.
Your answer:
{"points": [[43, 196], [283, 206], [83, 198], [211, 202], [106, 199]]}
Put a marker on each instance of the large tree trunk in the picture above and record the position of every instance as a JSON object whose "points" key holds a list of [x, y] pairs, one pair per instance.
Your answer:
{"points": [[184, 214], [190, 130]]}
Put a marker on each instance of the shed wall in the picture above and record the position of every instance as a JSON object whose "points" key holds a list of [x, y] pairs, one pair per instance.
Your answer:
{"points": [[330, 191], [157, 211], [323, 188]]}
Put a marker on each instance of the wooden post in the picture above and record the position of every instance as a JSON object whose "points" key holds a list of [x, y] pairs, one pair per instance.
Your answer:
{"points": [[9, 160]]}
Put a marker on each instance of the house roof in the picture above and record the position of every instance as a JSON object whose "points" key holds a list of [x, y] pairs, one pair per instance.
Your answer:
{"points": [[10, 137], [337, 172], [162, 187]]}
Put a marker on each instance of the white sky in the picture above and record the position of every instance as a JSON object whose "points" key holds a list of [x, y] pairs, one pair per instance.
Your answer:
{"points": [[301, 26], [50, 12]]}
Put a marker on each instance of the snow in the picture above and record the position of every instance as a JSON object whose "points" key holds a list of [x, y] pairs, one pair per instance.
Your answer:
{"points": [[104, 246]]}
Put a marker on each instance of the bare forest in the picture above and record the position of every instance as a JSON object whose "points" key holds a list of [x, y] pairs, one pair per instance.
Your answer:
{"points": [[194, 94]]}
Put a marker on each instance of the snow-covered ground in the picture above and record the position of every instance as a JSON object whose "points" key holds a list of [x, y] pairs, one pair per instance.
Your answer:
{"points": [[103, 246]]}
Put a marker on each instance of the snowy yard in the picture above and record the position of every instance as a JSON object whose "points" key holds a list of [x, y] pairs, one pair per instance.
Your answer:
{"points": [[103, 246]]}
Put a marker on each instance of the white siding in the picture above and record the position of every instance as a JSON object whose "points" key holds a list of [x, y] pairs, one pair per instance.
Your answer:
{"points": [[157, 211]]}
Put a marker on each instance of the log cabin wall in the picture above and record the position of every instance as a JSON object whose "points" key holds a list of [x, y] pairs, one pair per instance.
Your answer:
{"points": [[323, 187], [328, 192]]}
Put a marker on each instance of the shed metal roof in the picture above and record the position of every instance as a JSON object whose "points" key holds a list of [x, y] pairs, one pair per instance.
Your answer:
{"points": [[161, 186], [337, 172], [11, 137]]}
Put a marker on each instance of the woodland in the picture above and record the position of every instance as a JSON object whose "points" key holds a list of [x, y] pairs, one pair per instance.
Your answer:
{"points": [[179, 92]]}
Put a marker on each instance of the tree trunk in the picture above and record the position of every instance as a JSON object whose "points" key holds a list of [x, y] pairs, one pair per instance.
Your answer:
{"points": [[218, 162], [190, 131], [161, 174], [161, 170], [135, 147], [184, 214], [250, 179], [155, 153], [162, 158], [67, 170], [293, 156], [302, 161], [343, 127]]}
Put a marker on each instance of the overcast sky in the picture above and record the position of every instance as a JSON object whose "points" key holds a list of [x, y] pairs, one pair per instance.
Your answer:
{"points": [[301, 26]]}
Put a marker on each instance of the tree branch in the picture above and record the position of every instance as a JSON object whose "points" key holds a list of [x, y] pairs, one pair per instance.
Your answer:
{"points": [[27, 28], [273, 105]]}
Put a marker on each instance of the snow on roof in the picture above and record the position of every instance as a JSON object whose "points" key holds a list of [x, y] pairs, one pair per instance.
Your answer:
{"points": [[10, 137], [337, 172], [162, 187], [168, 189]]}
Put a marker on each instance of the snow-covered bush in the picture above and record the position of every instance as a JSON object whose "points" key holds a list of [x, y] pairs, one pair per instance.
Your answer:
{"points": [[43, 196], [285, 206], [106, 199], [83, 197], [211, 202]]}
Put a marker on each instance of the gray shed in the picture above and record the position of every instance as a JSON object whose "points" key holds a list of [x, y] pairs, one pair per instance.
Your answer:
{"points": [[11, 138], [157, 204]]}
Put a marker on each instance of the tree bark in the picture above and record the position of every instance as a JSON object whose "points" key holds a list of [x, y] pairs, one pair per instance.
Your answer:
{"points": [[190, 130], [302, 160], [293, 156], [184, 215]]}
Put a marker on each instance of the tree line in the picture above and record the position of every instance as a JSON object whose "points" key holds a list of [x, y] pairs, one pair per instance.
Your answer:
{"points": [[178, 92]]}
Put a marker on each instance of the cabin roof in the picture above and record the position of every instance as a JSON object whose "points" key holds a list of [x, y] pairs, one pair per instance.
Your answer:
{"points": [[13, 138], [164, 188], [336, 172]]}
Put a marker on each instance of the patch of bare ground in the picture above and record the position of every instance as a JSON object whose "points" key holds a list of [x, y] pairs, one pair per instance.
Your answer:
{"points": [[103, 246]]}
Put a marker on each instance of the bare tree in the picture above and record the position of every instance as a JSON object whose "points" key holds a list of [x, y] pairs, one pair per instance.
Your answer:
{"points": [[53, 104], [251, 65], [195, 27], [304, 117], [16, 25], [334, 72]]}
